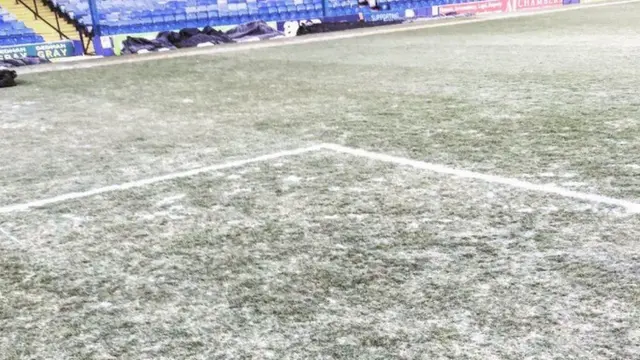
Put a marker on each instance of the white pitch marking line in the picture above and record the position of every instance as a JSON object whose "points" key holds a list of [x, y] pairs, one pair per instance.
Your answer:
{"points": [[153, 180], [631, 207], [8, 235]]}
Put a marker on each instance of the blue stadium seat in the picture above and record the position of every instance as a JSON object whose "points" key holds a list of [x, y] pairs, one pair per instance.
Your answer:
{"points": [[176, 14], [14, 32]]}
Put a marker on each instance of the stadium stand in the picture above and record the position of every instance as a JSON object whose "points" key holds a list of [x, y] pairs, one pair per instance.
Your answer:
{"points": [[140, 16], [123, 16], [14, 32]]}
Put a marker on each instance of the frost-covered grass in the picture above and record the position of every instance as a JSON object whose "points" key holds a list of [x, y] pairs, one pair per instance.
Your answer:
{"points": [[327, 255]]}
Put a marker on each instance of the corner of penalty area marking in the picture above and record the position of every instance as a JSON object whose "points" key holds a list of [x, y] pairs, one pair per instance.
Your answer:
{"points": [[631, 208]]}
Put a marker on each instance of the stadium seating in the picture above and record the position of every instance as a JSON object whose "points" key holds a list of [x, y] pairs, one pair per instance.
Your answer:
{"points": [[14, 32], [122, 16], [139, 16]]}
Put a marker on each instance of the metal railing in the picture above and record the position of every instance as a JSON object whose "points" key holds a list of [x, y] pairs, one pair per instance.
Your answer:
{"points": [[36, 15]]}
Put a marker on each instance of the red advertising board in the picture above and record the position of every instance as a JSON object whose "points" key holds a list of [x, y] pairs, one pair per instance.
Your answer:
{"points": [[476, 7], [518, 5], [494, 6]]}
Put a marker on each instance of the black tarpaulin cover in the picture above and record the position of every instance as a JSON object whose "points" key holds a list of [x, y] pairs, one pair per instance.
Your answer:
{"points": [[25, 61], [191, 37], [7, 78]]}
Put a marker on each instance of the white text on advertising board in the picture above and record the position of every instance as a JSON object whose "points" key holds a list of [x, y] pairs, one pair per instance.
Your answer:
{"points": [[13, 53], [51, 50], [532, 4]]}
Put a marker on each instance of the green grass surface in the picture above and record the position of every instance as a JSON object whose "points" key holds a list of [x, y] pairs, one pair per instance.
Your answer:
{"points": [[327, 255]]}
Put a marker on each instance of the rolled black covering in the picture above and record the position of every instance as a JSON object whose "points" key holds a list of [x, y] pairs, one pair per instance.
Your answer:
{"points": [[7, 78], [192, 37], [315, 28], [25, 61]]}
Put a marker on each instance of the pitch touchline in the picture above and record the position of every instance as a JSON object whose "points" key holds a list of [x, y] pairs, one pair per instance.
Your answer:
{"points": [[493, 179]]}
